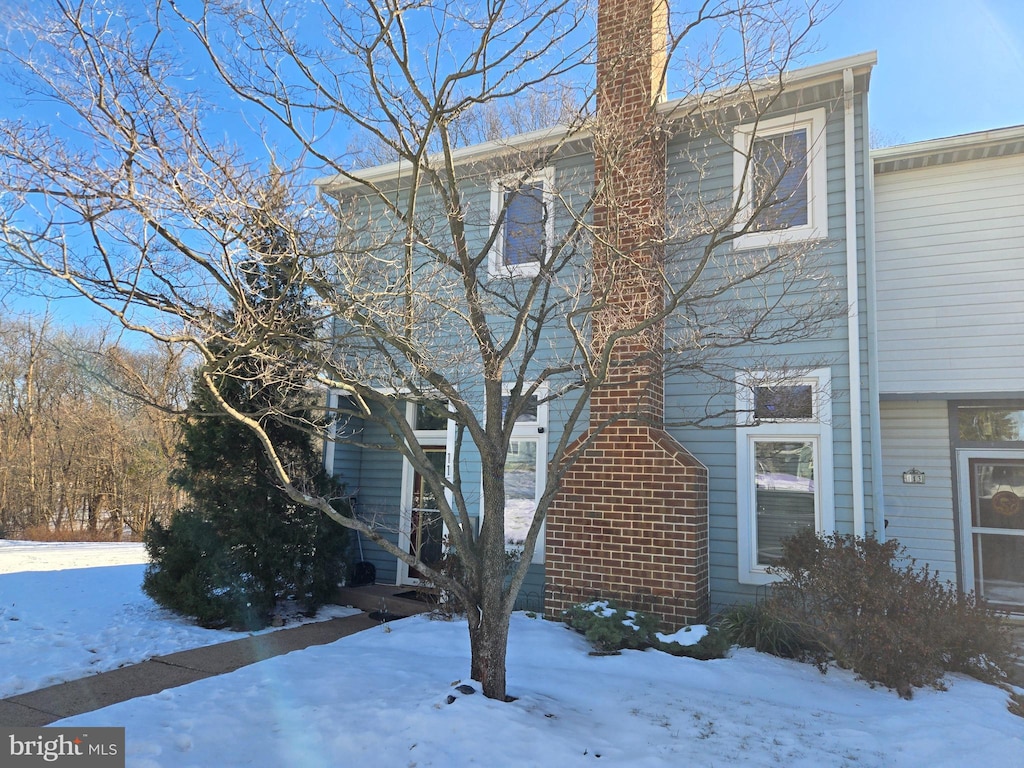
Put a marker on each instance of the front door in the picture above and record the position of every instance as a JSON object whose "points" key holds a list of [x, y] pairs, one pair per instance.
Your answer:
{"points": [[426, 528], [992, 510]]}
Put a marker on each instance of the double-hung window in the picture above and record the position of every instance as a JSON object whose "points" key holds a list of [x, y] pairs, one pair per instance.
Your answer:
{"points": [[522, 209], [779, 175], [784, 466]]}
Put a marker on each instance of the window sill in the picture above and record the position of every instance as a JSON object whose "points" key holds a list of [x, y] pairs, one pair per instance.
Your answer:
{"points": [[808, 234]]}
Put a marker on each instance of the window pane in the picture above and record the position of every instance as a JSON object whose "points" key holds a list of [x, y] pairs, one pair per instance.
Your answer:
{"points": [[999, 572], [524, 224], [988, 424], [520, 490], [779, 180], [528, 415], [784, 494], [432, 415], [998, 494], [784, 402]]}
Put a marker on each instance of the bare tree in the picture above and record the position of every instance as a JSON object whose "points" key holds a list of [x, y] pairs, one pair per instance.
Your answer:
{"points": [[132, 199], [78, 454]]}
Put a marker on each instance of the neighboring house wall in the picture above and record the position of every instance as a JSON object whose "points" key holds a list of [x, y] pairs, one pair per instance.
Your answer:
{"points": [[949, 255], [950, 279]]}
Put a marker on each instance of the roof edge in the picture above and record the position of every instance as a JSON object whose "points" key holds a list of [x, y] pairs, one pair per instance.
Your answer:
{"points": [[546, 137], [949, 149]]}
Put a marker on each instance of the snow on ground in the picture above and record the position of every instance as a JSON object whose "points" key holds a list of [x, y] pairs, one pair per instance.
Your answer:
{"points": [[68, 610], [380, 698]]}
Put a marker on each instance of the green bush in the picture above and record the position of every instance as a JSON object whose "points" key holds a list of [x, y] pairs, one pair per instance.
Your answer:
{"points": [[610, 629], [228, 576], [191, 574], [866, 606], [713, 645]]}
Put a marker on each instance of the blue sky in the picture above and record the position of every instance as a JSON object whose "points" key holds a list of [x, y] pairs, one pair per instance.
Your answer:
{"points": [[945, 67]]}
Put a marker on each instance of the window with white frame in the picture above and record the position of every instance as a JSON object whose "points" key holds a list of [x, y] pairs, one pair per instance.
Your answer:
{"points": [[780, 176], [523, 206], [525, 471], [784, 465]]}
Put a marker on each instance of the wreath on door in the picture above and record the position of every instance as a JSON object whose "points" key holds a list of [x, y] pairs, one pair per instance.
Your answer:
{"points": [[1006, 503]]}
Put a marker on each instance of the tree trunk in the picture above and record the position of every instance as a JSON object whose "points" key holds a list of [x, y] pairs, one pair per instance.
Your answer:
{"points": [[488, 642]]}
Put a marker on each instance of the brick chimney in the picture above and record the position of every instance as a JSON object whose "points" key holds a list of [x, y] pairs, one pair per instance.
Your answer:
{"points": [[630, 522]]}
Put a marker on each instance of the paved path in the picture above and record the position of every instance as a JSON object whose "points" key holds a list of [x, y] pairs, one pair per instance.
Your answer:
{"points": [[47, 705]]}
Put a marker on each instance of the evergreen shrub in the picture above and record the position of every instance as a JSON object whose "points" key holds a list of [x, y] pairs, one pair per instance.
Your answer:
{"points": [[242, 545], [611, 628]]}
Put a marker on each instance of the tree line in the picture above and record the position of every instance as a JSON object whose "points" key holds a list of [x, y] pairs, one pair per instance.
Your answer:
{"points": [[81, 453]]}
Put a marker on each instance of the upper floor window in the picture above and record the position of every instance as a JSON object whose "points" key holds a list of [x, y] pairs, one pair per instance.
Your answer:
{"points": [[780, 177], [524, 208]]}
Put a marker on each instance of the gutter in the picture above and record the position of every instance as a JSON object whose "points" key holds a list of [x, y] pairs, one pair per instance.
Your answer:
{"points": [[853, 295]]}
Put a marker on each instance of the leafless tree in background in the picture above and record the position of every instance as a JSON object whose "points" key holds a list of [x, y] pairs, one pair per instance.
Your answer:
{"points": [[77, 456]]}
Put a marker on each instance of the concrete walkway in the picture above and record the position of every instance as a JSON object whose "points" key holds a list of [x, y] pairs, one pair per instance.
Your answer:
{"points": [[46, 705]]}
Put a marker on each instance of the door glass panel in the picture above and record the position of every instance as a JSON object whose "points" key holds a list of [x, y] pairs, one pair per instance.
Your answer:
{"points": [[784, 494], [520, 490], [431, 415], [999, 568], [528, 415], [997, 494], [427, 534], [997, 516]]}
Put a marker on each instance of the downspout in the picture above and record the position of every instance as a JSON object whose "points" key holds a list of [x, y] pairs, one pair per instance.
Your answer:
{"points": [[874, 387], [853, 295]]}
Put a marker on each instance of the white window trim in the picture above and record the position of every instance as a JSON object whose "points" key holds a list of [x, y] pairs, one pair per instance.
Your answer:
{"points": [[496, 266], [817, 431], [817, 178], [967, 527]]}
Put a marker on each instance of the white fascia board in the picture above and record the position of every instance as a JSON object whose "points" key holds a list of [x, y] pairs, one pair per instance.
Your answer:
{"points": [[994, 138]]}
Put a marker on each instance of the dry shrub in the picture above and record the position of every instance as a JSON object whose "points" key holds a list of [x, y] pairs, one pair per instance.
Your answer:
{"points": [[45, 533], [866, 606]]}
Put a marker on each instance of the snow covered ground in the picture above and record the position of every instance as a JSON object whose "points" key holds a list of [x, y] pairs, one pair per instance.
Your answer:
{"points": [[380, 698], [68, 610]]}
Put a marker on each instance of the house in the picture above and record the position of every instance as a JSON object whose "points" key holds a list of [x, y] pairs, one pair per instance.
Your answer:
{"points": [[888, 417]]}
